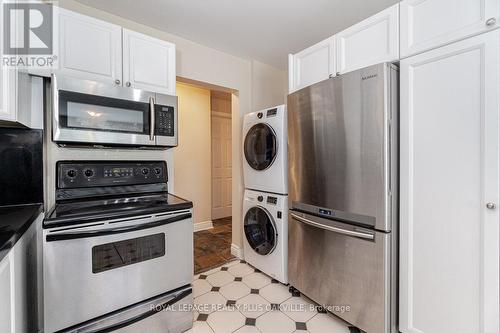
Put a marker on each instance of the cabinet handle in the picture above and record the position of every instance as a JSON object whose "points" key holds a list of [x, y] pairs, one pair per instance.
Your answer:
{"points": [[491, 21], [491, 205], [117, 82], [337, 74], [128, 84]]}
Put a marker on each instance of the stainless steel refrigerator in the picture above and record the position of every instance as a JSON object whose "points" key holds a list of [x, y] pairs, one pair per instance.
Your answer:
{"points": [[343, 193]]}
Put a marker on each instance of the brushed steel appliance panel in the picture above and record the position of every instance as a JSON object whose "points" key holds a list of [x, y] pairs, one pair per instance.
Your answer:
{"points": [[342, 266], [69, 276], [76, 136], [342, 149], [158, 315]]}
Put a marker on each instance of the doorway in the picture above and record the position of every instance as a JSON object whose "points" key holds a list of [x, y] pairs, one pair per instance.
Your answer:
{"points": [[203, 169]]}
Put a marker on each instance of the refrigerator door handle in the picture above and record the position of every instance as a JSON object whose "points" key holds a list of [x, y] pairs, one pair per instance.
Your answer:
{"points": [[342, 231]]}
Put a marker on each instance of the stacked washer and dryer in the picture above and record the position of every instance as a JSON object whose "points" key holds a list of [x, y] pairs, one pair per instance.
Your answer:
{"points": [[265, 205]]}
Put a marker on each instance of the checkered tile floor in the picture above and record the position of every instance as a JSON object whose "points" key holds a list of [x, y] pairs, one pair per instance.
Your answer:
{"points": [[238, 298]]}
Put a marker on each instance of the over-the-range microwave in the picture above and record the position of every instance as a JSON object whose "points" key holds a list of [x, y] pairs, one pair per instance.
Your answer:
{"points": [[98, 114]]}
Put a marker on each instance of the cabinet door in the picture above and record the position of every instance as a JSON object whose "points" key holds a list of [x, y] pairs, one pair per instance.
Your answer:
{"points": [[148, 63], [369, 42], [89, 48], [8, 84], [6, 295], [449, 245], [427, 24], [312, 65]]}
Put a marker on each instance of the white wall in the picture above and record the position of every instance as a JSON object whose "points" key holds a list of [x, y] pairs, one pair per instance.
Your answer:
{"points": [[269, 86], [204, 64], [192, 158]]}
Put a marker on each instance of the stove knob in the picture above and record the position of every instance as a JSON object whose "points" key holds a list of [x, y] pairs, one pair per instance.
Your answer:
{"points": [[145, 171], [157, 171], [71, 173], [88, 173]]}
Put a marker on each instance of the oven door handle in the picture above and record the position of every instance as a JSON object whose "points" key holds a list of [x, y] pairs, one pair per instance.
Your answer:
{"points": [[337, 230], [114, 231], [139, 313]]}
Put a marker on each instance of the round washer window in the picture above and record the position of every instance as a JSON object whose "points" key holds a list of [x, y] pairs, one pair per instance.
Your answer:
{"points": [[260, 146], [260, 230]]}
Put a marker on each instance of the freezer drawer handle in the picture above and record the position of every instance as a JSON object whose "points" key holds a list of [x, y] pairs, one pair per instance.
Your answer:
{"points": [[113, 231], [333, 229]]}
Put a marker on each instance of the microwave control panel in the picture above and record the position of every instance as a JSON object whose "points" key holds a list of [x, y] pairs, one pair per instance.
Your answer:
{"points": [[164, 120], [110, 173]]}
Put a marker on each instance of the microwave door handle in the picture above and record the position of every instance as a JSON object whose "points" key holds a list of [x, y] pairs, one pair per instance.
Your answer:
{"points": [[113, 231], [151, 118], [337, 230], [55, 104]]}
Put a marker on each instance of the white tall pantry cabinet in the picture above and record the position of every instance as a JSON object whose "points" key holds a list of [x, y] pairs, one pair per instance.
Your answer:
{"points": [[449, 253]]}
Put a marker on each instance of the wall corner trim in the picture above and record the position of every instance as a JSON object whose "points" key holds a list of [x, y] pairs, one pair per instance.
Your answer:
{"points": [[236, 251], [203, 226]]}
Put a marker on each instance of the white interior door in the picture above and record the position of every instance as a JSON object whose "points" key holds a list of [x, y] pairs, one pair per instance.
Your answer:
{"points": [[221, 165], [449, 259]]}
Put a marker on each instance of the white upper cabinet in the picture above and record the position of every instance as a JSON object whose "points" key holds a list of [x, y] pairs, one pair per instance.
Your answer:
{"points": [[427, 24], [148, 63], [7, 84], [449, 176], [89, 48], [372, 41], [311, 65]]}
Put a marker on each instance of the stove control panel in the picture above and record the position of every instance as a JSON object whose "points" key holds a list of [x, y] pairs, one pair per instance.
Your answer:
{"points": [[110, 173]]}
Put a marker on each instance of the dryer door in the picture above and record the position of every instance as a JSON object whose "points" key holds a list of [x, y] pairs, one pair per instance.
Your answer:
{"points": [[260, 146], [260, 230]]}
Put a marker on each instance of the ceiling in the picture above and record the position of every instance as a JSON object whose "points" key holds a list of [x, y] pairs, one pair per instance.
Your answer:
{"points": [[264, 30]]}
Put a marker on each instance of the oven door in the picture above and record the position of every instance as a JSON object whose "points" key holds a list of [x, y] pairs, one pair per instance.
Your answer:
{"points": [[96, 268], [88, 112]]}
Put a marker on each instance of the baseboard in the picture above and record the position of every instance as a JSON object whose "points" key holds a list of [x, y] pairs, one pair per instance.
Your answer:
{"points": [[236, 251], [203, 226]]}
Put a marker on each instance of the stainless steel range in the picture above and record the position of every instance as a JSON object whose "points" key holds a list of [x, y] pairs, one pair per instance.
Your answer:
{"points": [[118, 249]]}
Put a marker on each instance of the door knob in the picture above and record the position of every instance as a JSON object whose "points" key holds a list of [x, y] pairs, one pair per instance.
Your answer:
{"points": [[491, 205], [491, 21], [117, 82], [128, 84]]}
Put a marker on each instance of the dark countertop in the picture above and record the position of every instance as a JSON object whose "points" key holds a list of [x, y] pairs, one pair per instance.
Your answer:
{"points": [[14, 221]]}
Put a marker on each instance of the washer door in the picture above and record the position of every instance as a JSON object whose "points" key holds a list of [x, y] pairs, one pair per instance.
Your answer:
{"points": [[260, 146], [260, 230]]}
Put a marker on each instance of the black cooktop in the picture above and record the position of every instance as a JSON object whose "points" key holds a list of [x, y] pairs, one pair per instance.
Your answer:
{"points": [[90, 210]]}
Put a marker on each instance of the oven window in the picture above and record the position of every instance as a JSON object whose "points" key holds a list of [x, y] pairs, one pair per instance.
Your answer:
{"points": [[123, 253], [98, 113]]}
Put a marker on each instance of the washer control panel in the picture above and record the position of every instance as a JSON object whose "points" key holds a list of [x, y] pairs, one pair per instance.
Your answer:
{"points": [[109, 173]]}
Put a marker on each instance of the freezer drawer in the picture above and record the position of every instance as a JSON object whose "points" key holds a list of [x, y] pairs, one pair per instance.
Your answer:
{"points": [[343, 267]]}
